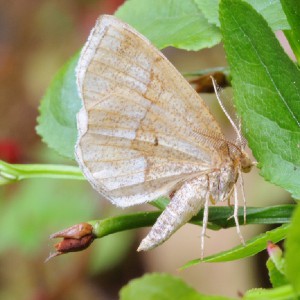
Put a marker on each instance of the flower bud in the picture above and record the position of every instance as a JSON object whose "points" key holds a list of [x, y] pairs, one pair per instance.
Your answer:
{"points": [[75, 238], [275, 254]]}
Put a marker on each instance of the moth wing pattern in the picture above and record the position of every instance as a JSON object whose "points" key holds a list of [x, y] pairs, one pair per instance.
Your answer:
{"points": [[143, 130]]}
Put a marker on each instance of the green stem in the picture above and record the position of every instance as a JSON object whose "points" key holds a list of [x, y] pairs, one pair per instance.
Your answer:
{"points": [[111, 225], [14, 172], [218, 218]]}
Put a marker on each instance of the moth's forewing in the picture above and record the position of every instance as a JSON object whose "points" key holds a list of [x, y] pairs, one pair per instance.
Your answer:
{"points": [[140, 123]]}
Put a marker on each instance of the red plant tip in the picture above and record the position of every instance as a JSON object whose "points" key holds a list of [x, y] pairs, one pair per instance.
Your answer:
{"points": [[75, 238], [276, 257], [74, 232], [274, 251], [203, 84]]}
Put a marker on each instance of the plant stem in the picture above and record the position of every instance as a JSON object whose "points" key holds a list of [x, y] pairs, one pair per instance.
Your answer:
{"points": [[14, 172], [111, 225], [218, 218]]}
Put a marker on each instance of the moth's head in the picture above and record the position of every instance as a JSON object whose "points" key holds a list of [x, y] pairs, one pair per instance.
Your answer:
{"points": [[240, 158], [246, 163]]}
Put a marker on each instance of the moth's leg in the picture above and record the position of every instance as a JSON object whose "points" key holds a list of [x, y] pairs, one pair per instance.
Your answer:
{"points": [[235, 215], [229, 198], [204, 222], [185, 203], [228, 202], [212, 200], [241, 181]]}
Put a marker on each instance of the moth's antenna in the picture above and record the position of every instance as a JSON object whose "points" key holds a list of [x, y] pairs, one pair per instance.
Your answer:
{"points": [[244, 141], [237, 130]]}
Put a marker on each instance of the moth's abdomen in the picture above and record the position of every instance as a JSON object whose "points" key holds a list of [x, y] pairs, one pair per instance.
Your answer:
{"points": [[185, 203]]}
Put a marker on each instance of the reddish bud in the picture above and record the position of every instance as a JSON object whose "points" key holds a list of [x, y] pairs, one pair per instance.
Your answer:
{"points": [[75, 232], [274, 251], [275, 254], [74, 245], [203, 84], [75, 238]]}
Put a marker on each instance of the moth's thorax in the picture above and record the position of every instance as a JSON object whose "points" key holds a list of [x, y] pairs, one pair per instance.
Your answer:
{"points": [[222, 181]]}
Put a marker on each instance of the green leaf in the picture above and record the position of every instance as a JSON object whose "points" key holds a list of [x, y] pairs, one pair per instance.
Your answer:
{"points": [[277, 279], [266, 87], [162, 286], [210, 10], [281, 293], [252, 247], [270, 10], [57, 120], [174, 23], [221, 216], [292, 11], [292, 246]]}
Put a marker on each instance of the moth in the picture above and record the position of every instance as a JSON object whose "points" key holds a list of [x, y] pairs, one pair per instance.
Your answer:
{"points": [[145, 133]]}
